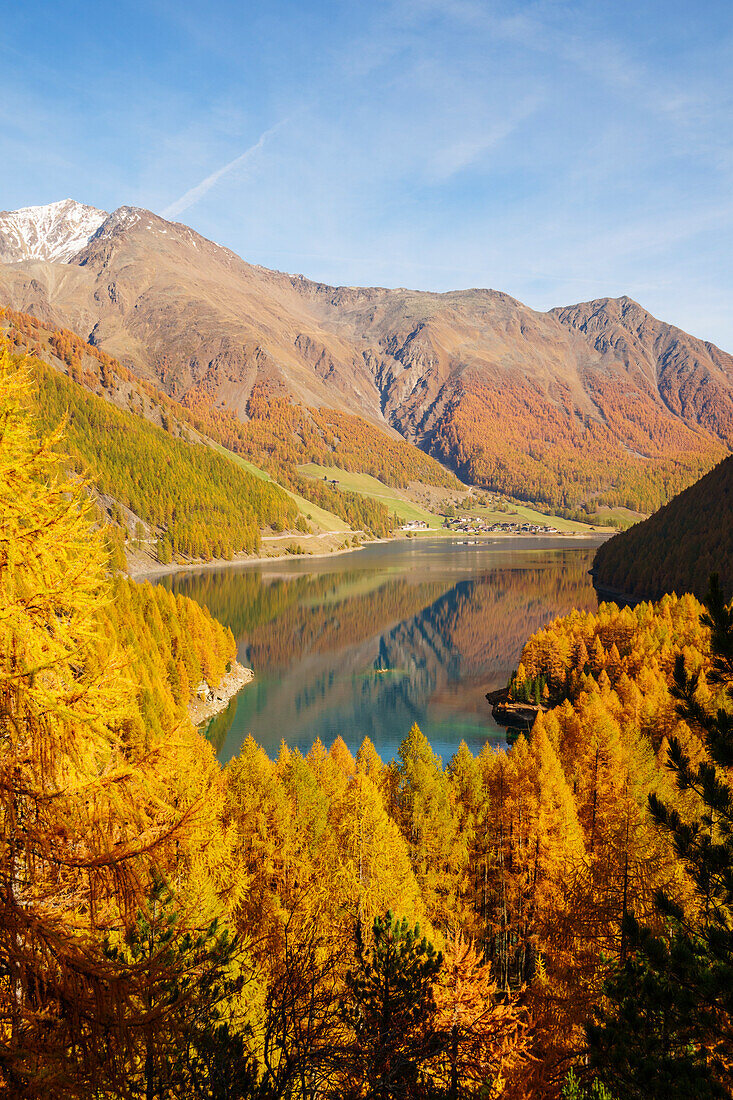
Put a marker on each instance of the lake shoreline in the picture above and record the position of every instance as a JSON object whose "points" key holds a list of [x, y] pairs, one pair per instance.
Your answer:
{"points": [[145, 574], [232, 682], [410, 631], [608, 594], [141, 572]]}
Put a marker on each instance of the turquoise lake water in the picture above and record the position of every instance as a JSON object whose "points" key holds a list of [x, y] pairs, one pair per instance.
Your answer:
{"points": [[365, 644]]}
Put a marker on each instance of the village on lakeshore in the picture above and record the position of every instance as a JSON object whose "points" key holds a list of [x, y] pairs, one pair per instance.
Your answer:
{"points": [[471, 525]]}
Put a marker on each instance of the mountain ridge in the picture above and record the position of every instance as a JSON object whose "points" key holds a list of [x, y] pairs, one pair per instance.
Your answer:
{"points": [[582, 406], [57, 231]]}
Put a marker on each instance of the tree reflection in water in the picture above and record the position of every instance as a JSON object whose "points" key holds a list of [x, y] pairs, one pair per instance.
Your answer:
{"points": [[367, 644]]}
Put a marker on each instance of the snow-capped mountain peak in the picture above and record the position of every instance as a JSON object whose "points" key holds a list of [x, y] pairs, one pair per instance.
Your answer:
{"points": [[57, 231]]}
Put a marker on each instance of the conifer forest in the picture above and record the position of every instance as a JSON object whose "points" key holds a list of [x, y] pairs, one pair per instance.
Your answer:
{"points": [[549, 919], [366, 550]]}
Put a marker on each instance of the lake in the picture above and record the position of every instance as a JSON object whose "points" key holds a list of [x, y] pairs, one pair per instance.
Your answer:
{"points": [[366, 643]]}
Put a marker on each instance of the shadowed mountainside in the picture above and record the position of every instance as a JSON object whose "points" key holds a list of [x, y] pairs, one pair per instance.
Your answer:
{"points": [[677, 548]]}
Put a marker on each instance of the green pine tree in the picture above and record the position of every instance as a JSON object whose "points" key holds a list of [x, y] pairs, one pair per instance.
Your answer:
{"points": [[184, 1042], [390, 1004], [574, 1089]]}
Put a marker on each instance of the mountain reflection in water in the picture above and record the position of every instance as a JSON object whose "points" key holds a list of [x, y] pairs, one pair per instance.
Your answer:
{"points": [[366, 644]]}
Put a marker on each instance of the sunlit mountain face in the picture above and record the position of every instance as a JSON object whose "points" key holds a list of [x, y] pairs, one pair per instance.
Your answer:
{"points": [[596, 404]]}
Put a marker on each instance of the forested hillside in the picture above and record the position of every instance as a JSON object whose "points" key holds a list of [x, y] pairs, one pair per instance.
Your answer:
{"points": [[277, 437], [286, 434], [677, 548], [534, 447], [134, 448], [203, 504], [173, 645]]}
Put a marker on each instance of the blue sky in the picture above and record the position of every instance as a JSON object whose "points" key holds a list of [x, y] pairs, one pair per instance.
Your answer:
{"points": [[559, 151]]}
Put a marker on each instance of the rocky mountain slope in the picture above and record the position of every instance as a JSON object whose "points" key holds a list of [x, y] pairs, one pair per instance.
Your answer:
{"points": [[149, 458], [593, 404], [55, 232], [692, 376]]}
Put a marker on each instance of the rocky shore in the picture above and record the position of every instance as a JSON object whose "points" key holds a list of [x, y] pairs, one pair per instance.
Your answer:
{"points": [[210, 701], [506, 713]]}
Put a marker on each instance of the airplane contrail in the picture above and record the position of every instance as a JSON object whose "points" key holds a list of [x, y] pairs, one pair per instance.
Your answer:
{"points": [[195, 193]]}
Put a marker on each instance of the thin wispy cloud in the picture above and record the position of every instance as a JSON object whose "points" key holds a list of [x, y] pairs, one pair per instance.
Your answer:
{"points": [[467, 149], [194, 194], [550, 149], [564, 33]]}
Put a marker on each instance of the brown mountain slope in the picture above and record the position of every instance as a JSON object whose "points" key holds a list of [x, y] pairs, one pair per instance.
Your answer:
{"points": [[520, 402], [189, 314], [594, 403], [692, 376], [278, 435]]}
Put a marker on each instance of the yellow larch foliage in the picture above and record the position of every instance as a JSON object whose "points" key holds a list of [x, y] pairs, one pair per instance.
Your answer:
{"points": [[368, 761], [259, 810], [85, 805], [429, 824], [327, 769], [373, 871], [341, 756], [486, 1031]]}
